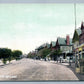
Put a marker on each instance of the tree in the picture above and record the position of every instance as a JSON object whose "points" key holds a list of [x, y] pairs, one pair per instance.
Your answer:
{"points": [[30, 55], [9, 58], [17, 54], [44, 52], [55, 54], [5, 54]]}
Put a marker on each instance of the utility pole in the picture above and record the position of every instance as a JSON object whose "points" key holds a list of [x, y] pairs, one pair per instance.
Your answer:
{"points": [[75, 13]]}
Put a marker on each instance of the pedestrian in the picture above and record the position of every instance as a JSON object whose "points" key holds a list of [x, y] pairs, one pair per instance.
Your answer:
{"points": [[60, 59], [45, 59], [70, 61], [57, 59]]}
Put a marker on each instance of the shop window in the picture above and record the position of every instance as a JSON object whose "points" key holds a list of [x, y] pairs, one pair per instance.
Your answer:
{"points": [[82, 63], [83, 69], [83, 55], [79, 56], [64, 56], [77, 62]]}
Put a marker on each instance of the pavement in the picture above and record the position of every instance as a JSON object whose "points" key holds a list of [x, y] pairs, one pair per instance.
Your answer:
{"points": [[72, 67]]}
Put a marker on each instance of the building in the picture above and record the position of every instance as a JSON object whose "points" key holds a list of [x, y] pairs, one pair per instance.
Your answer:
{"points": [[80, 53], [41, 47], [81, 36], [47, 45], [53, 45], [75, 39], [65, 45], [75, 42], [78, 48]]}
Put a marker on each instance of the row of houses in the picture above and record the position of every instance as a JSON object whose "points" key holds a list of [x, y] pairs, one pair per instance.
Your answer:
{"points": [[62, 44], [70, 47]]}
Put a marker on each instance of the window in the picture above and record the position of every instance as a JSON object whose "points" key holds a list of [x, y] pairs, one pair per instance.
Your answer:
{"points": [[79, 55], [83, 55]]}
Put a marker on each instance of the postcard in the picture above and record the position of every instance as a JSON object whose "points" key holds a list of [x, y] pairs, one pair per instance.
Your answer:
{"points": [[41, 42]]}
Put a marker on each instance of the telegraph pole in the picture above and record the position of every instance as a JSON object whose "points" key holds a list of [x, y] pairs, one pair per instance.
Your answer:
{"points": [[75, 13]]}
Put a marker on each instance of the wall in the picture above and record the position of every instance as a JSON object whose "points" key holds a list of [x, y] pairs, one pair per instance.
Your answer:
{"points": [[66, 48]]}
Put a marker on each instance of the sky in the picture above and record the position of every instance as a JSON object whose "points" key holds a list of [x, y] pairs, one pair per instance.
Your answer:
{"points": [[27, 26]]}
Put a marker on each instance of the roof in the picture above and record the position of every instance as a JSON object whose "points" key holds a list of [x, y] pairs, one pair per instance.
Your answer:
{"points": [[53, 43], [70, 41], [41, 47], [48, 45], [78, 31], [62, 41], [82, 25], [76, 35]]}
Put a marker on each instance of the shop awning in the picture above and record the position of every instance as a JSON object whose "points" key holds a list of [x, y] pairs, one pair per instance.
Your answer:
{"points": [[80, 49]]}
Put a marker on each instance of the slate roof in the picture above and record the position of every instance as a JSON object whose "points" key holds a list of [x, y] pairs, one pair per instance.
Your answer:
{"points": [[53, 43], [70, 41], [48, 45], [39, 48], [42, 46], [78, 31], [82, 25], [62, 41]]}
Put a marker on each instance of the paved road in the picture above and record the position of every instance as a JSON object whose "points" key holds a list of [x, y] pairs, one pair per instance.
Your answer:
{"points": [[31, 70]]}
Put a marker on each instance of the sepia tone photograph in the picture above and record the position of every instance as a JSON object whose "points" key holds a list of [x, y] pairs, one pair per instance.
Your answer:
{"points": [[41, 42]]}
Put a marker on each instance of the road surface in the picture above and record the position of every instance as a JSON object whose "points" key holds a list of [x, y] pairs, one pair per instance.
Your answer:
{"points": [[35, 70]]}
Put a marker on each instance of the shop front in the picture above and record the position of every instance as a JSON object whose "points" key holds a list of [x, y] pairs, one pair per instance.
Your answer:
{"points": [[79, 60], [77, 65]]}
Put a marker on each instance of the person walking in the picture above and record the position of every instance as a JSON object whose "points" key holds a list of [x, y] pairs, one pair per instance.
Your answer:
{"points": [[57, 59]]}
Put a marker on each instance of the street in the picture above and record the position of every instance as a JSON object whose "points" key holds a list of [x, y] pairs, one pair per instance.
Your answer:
{"points": [[35, 70]]}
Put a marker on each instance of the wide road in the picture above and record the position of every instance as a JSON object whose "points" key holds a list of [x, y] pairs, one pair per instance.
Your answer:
{"points": [[35, 70]]}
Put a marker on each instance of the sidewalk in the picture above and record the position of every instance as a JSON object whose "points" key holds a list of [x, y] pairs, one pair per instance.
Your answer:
{"points": [[72, 67]]}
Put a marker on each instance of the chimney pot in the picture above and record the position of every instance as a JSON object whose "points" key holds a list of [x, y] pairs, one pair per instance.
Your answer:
{"points": [[67, 39]]}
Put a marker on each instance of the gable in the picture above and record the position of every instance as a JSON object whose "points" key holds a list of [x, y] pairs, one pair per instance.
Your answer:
{"points": [[78, 31], [53, 43], [75, 37], [61, 41]]}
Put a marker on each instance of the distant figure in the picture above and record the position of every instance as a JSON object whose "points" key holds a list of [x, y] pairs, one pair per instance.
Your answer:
{"points": [[45, 59], [57, 59], [70, 61], [60, 59]]}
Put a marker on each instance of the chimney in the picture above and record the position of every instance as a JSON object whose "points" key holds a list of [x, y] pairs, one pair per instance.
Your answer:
{"points": [[67, 39]]}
